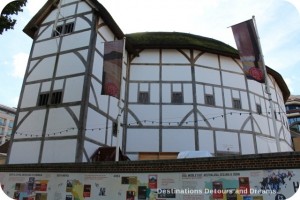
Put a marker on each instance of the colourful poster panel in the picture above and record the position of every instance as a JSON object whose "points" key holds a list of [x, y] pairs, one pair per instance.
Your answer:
{"points": [[272, 184]]}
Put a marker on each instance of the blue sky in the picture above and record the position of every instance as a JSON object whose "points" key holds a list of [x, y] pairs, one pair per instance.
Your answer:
{"points": [[278, 23]]}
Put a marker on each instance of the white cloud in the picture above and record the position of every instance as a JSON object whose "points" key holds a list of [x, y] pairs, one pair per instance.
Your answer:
{"points": [[19, 64], [33, 6], [15, 101], [158, 15], [293, 82], [295, 3], [289, 83]]}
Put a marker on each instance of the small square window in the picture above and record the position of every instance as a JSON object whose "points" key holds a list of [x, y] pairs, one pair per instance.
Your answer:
{"points": [[63, 29], [143, 97], [115, 129], [57, 31], [258, 109], [275, 115], [209, 100], [236, 103], [69, 28], [43, 99], [56, 97], [177, 97]]}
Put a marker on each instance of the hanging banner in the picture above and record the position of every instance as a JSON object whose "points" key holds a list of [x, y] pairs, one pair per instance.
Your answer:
{"points": [[112, 68], [247, 43]]}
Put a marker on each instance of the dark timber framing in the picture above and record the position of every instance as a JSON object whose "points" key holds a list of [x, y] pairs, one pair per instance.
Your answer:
{"points": [[189, 46], [88, 77], [85, 94], [192, 64]]}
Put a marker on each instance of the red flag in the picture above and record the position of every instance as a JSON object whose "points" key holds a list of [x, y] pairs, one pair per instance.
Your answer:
{"points": [[112, 68], [248, 46]]}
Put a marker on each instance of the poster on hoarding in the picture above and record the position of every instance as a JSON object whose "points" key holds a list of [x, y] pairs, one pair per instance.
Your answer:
{"points": [[272, 184]]}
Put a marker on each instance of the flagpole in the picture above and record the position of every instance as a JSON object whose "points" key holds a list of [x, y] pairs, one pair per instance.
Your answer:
{"points": [[268, 89], [120, 108]]}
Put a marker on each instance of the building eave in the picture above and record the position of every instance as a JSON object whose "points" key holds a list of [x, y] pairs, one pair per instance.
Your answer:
{"points": [[32, 26], [293, 99], [50, 5], [8, 109], [281, 83], [178, 40]]}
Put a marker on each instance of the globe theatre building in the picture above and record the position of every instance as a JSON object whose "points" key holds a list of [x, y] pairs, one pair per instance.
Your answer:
{"points": [[180, 92]]}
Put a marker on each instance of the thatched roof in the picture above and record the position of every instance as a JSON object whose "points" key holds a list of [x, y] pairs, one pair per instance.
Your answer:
{"points": [[176, 40], [151, 40]]}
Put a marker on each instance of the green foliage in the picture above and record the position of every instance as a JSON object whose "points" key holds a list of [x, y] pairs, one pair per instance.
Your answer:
{"points": [[6, 20]]}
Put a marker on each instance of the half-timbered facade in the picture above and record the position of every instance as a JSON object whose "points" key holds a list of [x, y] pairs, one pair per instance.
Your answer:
{"points": [[180, 92], [183, 95], [62, 116]]}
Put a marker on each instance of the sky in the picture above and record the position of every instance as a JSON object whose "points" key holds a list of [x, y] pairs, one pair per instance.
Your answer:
{"points": [[278, 24]]}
